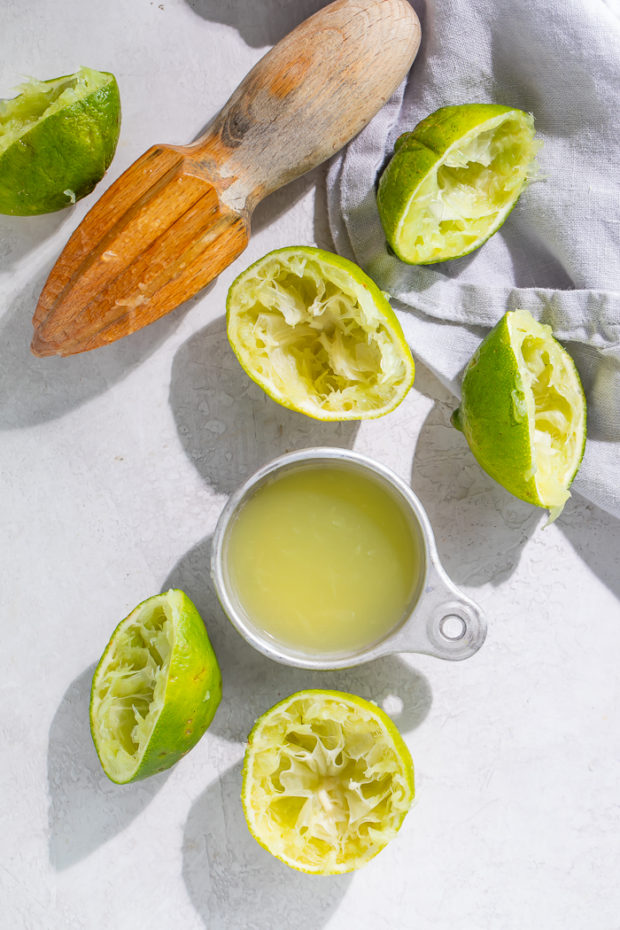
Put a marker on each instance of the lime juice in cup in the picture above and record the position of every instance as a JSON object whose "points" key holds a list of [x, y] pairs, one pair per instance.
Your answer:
{"points": [[324, 558]]}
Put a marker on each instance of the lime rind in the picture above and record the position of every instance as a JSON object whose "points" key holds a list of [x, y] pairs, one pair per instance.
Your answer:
{"points": [[327, 781], [523, 411], [155, 689], [318, 335], [130, 687], [556, 410], [454, 179], [37, 99], [57, 139]]}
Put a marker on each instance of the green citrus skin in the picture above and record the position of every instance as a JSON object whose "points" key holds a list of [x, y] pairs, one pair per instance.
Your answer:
{"points": [[57, 139], [493, 419], [521, 398], [484, 149], [183, 703]]}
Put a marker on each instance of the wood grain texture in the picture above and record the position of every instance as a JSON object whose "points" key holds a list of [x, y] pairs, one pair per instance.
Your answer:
{"points": [[128, 264], [180, 214], [311, 94]]}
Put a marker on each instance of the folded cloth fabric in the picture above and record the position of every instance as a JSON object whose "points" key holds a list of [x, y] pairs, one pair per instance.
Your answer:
{"points": [[558, 254]]}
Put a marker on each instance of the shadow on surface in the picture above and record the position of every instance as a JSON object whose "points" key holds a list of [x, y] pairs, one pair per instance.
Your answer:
{"points": [[281, 200], [19, 235], [525, 75], [85, 808], [594, 534], [228, 426], [252, 682], [532, 258], [233, 882], [479, 528], [261, 23], [35, 390], [599, 371]]}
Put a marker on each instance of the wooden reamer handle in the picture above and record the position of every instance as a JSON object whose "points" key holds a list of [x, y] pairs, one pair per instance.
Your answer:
{"points": [[308, 96]]}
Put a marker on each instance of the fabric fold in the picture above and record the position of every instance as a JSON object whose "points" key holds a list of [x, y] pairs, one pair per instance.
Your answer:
{"points": [[558, 253]]}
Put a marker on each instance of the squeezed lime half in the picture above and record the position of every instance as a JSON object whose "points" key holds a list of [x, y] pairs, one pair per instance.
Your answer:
{"points": [[317, 334], [327, 781], [523, 411], [155, 690], [57, 139], [454, 179]]}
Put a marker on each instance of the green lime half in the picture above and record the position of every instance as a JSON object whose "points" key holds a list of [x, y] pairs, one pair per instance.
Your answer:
{"points": [[523, 411], [327, 781], [452, 182], [318, 335], [155, 690], [57, 139]]}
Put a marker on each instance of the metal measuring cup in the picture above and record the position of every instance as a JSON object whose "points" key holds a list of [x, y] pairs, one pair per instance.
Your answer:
{"points": [[439, 619]]}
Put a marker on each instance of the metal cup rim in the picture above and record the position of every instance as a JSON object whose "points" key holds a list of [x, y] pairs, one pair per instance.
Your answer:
{"points": [[265, 644]]}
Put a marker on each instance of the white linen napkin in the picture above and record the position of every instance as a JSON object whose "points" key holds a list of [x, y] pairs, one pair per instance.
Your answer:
{"points": [[558, 254]]}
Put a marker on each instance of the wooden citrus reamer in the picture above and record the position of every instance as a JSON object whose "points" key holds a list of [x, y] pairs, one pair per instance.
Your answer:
{"points": [[180, 214]]}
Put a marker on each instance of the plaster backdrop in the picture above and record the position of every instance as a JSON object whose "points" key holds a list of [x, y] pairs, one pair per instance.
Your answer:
{"points": [[115, 466]]}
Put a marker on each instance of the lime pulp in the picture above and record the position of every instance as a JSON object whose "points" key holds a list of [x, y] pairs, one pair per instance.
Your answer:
{"points": [[454, 179], [317, 334], [327, 781], [523, 411], [155, 690]]}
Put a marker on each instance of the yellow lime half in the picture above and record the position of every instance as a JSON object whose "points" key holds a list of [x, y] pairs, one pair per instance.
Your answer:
{"points": [[318, 335], [327, 781], [57, 139], [452, 182], [523, 411], [155, 690]]}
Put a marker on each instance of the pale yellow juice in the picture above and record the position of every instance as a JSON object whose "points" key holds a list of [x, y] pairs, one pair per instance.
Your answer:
{"points": [[323, 559]]}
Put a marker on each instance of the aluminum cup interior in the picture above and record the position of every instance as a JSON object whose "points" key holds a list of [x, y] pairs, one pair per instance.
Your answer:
{"points": [[313, 458]]}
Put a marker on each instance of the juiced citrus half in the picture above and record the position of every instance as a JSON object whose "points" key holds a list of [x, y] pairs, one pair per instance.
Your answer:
{"points": [[57, 139], [327, 781], [318, 335], [155, 690], [454, 179], [523, 411]]}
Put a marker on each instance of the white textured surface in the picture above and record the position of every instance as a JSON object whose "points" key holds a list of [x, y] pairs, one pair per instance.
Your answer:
{"points": [[114, 468]]}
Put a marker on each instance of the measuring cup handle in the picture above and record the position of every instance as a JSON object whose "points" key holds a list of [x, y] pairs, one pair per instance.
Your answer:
{"points": [[445, 623]]}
